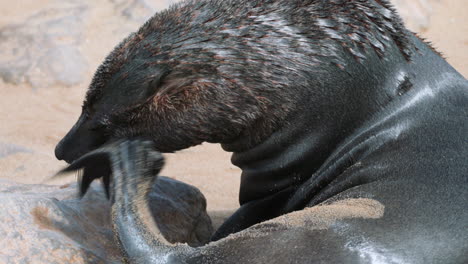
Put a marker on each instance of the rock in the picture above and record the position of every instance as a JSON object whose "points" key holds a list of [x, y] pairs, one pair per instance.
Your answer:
{"points": [[141, 10], [49, 224], [25, 164], [65, 63], [7, 149], [416, 13], [43, 50], [184, 218]]}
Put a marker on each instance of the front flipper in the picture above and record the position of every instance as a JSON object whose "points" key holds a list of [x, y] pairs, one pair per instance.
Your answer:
{"points": [[134, 166], [99, 164], [94, 165], [130, 169]]}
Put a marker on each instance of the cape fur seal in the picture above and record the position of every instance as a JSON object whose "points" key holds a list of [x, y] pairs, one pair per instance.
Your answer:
{"points": [[319, 101]]}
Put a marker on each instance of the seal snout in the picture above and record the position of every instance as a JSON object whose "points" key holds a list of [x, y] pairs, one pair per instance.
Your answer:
{"points": [[62, 153], [80, 140], [59, 153]]}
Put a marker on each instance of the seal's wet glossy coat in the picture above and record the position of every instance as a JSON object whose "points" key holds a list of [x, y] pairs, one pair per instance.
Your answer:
{"points": [[319, 101]]}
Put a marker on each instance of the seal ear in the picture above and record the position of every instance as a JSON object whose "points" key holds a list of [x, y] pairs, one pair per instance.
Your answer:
{"points": [[127, 89], [135, 90]]}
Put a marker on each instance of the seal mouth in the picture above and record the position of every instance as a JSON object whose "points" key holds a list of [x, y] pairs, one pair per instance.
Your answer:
{"points": [[71, 158], [90, 166], [95, 164], [70, 150], [81, 139]]}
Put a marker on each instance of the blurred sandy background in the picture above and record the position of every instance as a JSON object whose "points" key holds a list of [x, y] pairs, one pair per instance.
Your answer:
{"points": [[49, 50]]}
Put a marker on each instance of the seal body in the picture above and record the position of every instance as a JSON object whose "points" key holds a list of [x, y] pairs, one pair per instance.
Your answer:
{"points": [[410, 156], [320, 102]]}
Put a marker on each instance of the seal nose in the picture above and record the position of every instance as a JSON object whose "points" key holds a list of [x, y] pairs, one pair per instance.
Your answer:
{"points": [[59, 153], [64, 153]]}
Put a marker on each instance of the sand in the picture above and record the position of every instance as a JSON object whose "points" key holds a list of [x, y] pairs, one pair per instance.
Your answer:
{"points": [[38, 118]]}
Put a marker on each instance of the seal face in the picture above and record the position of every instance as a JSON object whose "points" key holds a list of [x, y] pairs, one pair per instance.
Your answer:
{"points": [[319, 101]]}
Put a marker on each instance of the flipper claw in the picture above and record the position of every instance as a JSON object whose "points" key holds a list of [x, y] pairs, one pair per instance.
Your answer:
{"points": [[94, 165]]}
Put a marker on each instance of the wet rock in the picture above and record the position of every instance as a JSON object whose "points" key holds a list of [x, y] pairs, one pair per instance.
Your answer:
{"points": [[43, 50], [49, 224]]}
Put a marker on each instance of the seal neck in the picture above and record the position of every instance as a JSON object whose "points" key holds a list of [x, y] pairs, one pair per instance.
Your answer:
{"points": [[292, 154], [336, 110], [312, 132]]}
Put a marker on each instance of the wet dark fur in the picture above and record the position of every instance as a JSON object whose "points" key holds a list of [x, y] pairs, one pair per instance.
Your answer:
{"points": [[320, 101], [193, 74]]}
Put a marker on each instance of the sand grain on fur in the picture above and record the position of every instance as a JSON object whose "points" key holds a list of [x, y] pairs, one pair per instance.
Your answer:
{"points": [[324, 215]]}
